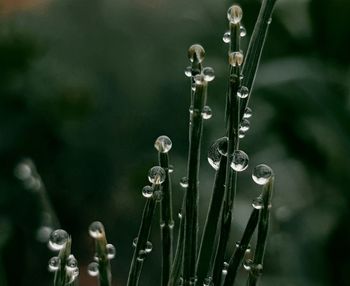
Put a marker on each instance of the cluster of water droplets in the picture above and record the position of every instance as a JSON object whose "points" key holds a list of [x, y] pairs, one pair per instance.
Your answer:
{"points": [[262, 174], [146, 249], [255, 269]]}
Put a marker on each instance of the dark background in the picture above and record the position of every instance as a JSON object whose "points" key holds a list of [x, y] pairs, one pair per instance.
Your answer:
{"points": [[86, 86]]}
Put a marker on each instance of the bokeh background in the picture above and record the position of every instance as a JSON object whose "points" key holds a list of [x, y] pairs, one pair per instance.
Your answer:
{"points": [[86, 86]]}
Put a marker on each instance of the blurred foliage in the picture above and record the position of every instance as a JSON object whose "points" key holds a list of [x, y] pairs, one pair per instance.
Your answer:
{"points": [[87, 85]]}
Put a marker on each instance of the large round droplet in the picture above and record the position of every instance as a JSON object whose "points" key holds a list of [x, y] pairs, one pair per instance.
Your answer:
{"points": [[184, 182], [71, 263], [147, 192], [196, 53], [235, 59], [58, 239], [206, 112], [96, 230], [93, 269], [208, 73], [243, 92], [110, 251], [242, 31], [226, 38], [148, 247], [245, 125], [234, 14], [188, 71], [247, 113], [163, 144], [54, 264], [156, 175], [239, 161], [262, 174]]}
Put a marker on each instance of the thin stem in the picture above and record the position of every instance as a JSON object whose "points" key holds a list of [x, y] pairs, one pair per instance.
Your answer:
{"points": [[238, 256], [105, 276], [191, 207], [263, 227], [204, 262], [142, 238], [61, 275], [166, 221], [255, 48]]}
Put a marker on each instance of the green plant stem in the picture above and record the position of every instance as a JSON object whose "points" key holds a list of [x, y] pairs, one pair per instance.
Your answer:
{"points": [[166, 221], [191, 206], [142, 238], [255, 48], [204, 263], [238, 256], [105, 276], [263, 227], [233, 142], [61, 277]]}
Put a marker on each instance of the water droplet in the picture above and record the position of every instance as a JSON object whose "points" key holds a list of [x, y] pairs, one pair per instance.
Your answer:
{"points": [[234, 14], [96, 230], [206, 112], [58, 239], [235, 59], [72, 263], [239, 161], [147, 191], [156, 175], [241, 134], [243, 31], [134, 242], [72, 275], [208, 73], [225, 268], [247, 113], [184, 182], [238, 244], [141, 255], [188, 71], [110, 251], [163, 144], [171, 169], [245, 124], [23, 171], [193, 280], [193, 86], [258, 203], [247, 251], [226, 37], [196, 53], [208, 281], [243, 92], [269, 21], [43, 233], [247, 264], [262, 174], [222, 145], [54, 264], [256, 269], [148, 247], [199, 79], [180, 214], [158, 195], [214, 156], [93, 269]]}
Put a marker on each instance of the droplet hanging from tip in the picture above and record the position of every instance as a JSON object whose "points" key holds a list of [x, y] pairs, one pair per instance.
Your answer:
{"points": [[156, 175], [58, 239], [110, 248], [163, 144], [206, 112], [262, 174], [147, 191], [234, 14], [96, 230]]}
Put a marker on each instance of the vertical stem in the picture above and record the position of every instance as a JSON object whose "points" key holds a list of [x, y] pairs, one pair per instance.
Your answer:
{"points": [[105, 276], [191, 205], [166, 221]]}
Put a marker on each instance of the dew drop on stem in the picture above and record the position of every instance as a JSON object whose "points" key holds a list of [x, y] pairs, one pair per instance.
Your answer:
{"points": [[239, 161], [110, 251], [245, 125], [156, 175], [242, 31], [243, 92], [257, 203], [206, 112], [247, 113], [147, 191], [196, 53], [188, 71], [58, 239], [262, 174], [235, 59], [148, 247], [93, 269], [184, 182], [235, 14], [54, 264], [96, 230], [226, 38], [163, 144], [208, 74]]}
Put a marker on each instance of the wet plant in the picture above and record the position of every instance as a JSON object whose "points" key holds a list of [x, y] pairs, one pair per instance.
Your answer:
{"points": [[196, 260]]}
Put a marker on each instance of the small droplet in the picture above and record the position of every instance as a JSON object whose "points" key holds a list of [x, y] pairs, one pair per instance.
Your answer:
{"points": [[222, 145], [54, 264], [110, 251], [171, 169], [93, 269], [193, 281], [96, 230], [180, 214], [269, 21], [235, 59], [141, 255], [23, 171], [184, 182], [262, 174], [147, 192], [208, 281], [214, 156], [208, 73], [188, 71], [156, 175], [238, 244], [58, 239], [234, 14], [257, 269], [258, 203], [72, 263], [134, 242], [247, 113], [226, 37], [148, 247], [196, 53], [245, 125], [163, 144], [225, 268], [247, 264], [239, 161], [199, 79], [242, 31], [243, 92], [241, 134], [206, 112]]}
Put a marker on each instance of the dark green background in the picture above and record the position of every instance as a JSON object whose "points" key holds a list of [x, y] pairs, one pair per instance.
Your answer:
{"points": [[86, 86]]}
